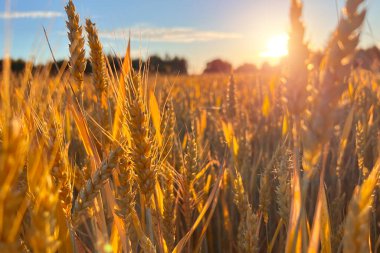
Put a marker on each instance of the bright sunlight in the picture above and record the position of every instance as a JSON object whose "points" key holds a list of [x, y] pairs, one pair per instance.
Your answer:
{"points": [[276, 47]]}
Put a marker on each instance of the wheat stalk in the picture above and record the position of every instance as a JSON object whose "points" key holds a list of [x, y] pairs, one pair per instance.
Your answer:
{"points": [[40, 234], [169, 215], [231, 103], [76, 47], [357, 224], [247, 237]]}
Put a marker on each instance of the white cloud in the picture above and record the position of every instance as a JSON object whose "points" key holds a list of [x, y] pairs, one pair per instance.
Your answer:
{"points": [[30, 14], [163, 34]]}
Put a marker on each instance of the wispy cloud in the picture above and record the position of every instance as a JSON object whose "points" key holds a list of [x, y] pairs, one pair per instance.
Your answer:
{"points": [[30, 14], [167, 34]]}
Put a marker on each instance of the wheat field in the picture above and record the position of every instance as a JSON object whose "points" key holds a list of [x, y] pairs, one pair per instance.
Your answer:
{"points": [[126, 161]]}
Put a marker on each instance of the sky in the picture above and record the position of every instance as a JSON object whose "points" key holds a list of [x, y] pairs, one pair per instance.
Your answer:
{"points": [[199, 30]]}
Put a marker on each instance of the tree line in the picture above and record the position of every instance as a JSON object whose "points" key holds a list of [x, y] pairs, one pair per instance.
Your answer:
{"points": [[366, 58], [167, 65]]}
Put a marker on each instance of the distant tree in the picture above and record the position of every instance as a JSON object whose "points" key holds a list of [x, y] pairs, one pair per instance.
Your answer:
{"points": [[178, 66], [136, 63], [246, 68], [115, 62], [218, 66], [168, 65], [155, 63], [53, 69], [17, 66]]}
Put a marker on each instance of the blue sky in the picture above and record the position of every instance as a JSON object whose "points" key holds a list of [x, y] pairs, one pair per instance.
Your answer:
{"points": [[200, 30]]}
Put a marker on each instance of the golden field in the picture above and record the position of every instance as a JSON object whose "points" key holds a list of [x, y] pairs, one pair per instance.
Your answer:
{"points": [[127, 161]]}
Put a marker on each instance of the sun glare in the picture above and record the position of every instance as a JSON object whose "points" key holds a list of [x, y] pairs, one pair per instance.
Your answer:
{"points": [[276, 47]]}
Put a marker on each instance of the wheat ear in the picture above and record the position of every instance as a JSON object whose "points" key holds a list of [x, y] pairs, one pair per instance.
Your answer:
{"points": [[93, 185], [76, 47], [99, 68], [336, 67], [296, 82], [247, 238], [141, 148]]}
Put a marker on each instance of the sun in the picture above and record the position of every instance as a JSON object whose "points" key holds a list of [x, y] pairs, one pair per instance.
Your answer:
{"points": [[276, 47]]}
